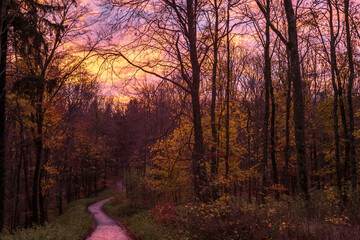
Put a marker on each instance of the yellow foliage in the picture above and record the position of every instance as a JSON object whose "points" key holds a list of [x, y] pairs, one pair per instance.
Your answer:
{"points": [[171, 166]]}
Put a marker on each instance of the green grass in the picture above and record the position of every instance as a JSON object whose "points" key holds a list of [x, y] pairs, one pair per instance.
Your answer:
{"points": [[139, 221], [74, 224]]}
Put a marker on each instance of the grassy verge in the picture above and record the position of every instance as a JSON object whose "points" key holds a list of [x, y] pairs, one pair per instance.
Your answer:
{"points": [[138, 220], [74, 224]]}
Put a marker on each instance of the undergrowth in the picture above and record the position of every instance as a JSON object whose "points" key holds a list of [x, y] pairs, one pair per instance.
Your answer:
{"points": [[139, 220], [323, 217]]}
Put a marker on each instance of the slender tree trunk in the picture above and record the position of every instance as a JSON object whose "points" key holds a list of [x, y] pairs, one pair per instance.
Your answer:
{"points": [[105, 173], [39, 151], [214, 169], [27, 190], [42, 200], [287, 178], [272, 136], [199, 164], [60, 194], [201, 183], [314, 157], [248, 123], [42, 194], [68, 185], [227, 97], [267, 79], [17, 196], [95, 183], [219, 127], [336, 100], [344, 123], [349, 97], [3, 56], [89, 180], [316, 164], [299, 113]]}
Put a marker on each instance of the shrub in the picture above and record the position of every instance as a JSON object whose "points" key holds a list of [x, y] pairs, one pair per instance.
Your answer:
{"points": [[164, 212]]}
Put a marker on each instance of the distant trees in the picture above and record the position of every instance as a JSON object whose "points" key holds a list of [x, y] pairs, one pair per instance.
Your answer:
{"points": [[329, 25], [278, 99]]}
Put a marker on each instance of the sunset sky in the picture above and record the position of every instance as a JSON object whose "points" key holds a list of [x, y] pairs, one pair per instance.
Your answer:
{"points": [[116, 77]]}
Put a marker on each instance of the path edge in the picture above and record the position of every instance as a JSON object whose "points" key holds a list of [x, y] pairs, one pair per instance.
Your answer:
{"points": [[121, 224], [94, 224]]}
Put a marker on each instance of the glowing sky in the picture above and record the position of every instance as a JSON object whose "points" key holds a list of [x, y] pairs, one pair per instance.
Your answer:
{"points": [[116, 77]]}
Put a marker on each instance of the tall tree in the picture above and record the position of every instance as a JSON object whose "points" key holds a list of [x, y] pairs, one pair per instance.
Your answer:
{"points": [[227, 91], [350, 95], [336, 96], [299, 113], [3, 56], [214, 91], [199, 164]]}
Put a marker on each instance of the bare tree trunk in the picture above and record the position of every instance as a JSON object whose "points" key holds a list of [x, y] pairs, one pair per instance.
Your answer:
{"points": [[287, 178], [336, 100], [39, 151], [95, 183], [299, 113], [199, 164], [227, 97], [201, 183], [27, 190], [60, 194], [344, 123], [42, 200], [214, 169], [249, 146], [105, 177], [68, 185], [349, 97], [3, 56], [42, 194], [272, 136], [17, 194], [315, 126], [267, 80]]}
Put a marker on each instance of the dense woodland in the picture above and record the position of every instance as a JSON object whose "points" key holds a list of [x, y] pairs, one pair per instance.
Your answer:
{"points": [[242, 100]]}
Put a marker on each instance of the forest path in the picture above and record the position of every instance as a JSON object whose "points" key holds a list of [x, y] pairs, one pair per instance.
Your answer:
{"points": [[106, 227]]}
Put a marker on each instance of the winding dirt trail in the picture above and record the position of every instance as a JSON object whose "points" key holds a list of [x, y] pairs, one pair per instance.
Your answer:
{"points": [[106, 227]]}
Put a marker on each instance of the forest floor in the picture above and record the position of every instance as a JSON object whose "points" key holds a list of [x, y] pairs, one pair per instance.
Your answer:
{"points": [[230, 218], [106, 227]]}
